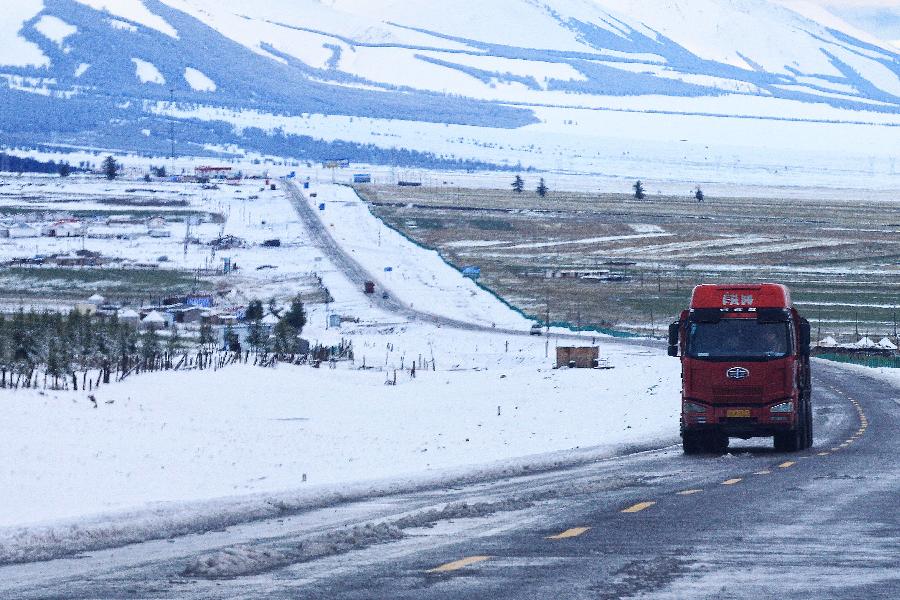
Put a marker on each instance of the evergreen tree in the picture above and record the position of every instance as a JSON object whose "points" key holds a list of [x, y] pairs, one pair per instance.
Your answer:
{"points": [[285, 338], [254, 311], [273, 307], [232, 341], [149, 345], [173, 341], [207, 339], [542, 188], [518, 184], [65, 170], [639, 190], [258, 337], [110, 167], [296, 315]]}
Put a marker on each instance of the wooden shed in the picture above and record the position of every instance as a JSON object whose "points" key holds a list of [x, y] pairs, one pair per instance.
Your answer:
{"points": [[577, 357]]}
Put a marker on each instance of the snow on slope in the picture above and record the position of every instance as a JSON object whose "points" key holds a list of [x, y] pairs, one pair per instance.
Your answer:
{"points": [[55, 29], [199, 81], [147, 72], [15, 50], [135, 11]]}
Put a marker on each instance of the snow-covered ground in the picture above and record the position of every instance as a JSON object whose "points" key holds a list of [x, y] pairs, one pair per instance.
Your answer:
{"points": [[162, 439], [161, 445]]}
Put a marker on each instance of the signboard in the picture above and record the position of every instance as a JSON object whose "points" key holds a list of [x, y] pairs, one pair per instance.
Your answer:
{"points": [[201, 301], [336, 163]]}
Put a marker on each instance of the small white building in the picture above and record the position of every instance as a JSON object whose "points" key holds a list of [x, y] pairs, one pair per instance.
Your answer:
{"points": [[129, 316], [828, 342], [887, 344], [154, 321], [96, 299], [23, 230]]}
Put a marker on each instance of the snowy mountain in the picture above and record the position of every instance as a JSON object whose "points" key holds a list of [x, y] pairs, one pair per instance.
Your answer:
{"points": [[375, 80]]}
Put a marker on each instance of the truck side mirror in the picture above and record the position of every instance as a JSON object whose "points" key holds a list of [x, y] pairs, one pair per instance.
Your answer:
{"points": [[673, 338], [805, 337]]}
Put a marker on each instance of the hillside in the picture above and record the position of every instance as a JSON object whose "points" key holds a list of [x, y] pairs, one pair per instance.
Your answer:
{"points": [[412, 82]]}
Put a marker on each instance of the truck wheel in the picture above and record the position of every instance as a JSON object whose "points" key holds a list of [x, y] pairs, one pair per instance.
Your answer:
{"points": [[790, 441], [691, 443], [717, 443]]}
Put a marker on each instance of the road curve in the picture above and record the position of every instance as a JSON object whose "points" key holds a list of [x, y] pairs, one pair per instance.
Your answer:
{"points": [[754, 523]]}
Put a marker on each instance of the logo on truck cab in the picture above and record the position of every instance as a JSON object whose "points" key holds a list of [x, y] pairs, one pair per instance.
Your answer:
{"points": [[737, 299], [737, 373]]}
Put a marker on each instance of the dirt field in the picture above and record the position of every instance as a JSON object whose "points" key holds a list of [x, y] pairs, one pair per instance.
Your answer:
{"points": [[616, 261]]}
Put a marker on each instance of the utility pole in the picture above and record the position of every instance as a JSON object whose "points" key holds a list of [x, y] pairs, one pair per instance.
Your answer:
{"points": [[172, 126]]}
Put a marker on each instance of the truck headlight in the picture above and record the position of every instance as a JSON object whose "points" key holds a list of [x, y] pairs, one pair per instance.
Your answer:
{"points": [[784, 407], [690, 407]]}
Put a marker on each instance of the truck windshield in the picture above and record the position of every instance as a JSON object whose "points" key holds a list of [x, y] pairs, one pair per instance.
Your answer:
{"points": [[738, 338]]}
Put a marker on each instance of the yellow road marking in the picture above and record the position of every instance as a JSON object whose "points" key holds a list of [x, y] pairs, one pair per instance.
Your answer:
{"points": [[638, 507], [689, 492], [569, 533], [458, 564], [786, 464], [732, 481], [763, 472]]}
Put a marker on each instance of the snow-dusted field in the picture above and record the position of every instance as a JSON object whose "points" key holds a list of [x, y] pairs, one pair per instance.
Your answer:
{"points": [[165, 441], [161, 440]]}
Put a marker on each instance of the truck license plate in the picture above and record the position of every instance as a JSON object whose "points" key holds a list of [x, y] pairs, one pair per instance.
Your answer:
{"points": [[737, 413]]}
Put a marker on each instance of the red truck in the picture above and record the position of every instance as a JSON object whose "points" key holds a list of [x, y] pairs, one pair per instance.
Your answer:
{"points": [[744, 368]]}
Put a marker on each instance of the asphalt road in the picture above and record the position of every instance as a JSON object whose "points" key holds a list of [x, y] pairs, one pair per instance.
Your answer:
{"points": [[754, 523]]}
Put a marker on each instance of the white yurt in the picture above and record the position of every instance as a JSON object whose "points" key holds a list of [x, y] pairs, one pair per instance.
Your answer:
{"points": [[887, 344], [827, 342], [154, 320]]}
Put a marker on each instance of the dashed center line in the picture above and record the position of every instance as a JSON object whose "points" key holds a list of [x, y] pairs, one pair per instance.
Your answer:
{"points": [[786, 464], [688, 492], [823, 453], [458, 564], [638, 507], [763, 472], [732, 481], [569, 533]]}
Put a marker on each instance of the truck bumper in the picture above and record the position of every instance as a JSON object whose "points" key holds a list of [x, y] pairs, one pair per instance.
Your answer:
{"points": [[756, 421]]}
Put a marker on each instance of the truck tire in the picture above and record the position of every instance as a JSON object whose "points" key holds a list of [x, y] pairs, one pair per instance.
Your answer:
{"points": [[717, 443], [691, 442], [791, 441]]}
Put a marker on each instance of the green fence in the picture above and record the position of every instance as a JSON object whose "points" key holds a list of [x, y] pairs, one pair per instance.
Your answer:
{"points": [[891, 362]]}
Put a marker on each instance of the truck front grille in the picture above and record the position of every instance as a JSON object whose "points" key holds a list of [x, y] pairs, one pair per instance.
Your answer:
{"points": [[728, 394]]}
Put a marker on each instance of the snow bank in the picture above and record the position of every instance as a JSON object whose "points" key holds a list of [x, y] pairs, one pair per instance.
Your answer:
{"points": [[199, 81], [147, 72]]}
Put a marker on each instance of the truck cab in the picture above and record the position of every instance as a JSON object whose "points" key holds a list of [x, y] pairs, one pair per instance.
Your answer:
{"points": [[745, 369]]}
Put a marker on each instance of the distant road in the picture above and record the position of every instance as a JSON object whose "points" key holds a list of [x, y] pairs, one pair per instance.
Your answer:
{"points": [[358, 274]]}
